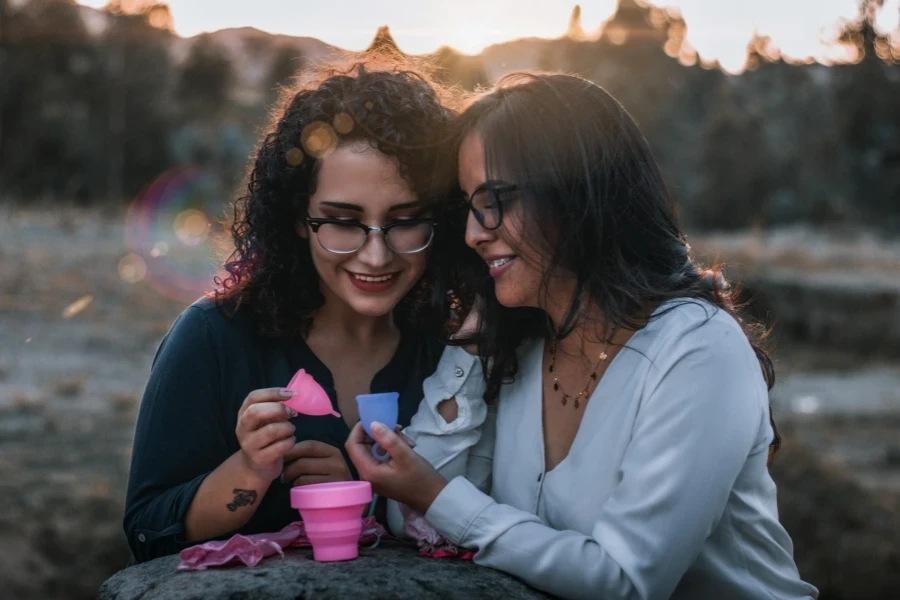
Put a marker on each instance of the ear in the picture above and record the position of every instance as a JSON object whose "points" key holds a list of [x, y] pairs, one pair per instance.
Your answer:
{"points": [[301, 228]]}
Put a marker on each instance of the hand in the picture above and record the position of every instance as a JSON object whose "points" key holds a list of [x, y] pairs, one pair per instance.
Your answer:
{"points": [[406, 477], [311, 461], [472, 325], [264, 432]]}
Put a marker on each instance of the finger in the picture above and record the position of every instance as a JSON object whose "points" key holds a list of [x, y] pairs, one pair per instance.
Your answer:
{"points": [[398, 429], [313, 449], [358, 435], [311, 479], [307, 466], [275, 394], [359, 449], [258, 415], [274, 451], [269, 434], [392, 443]]}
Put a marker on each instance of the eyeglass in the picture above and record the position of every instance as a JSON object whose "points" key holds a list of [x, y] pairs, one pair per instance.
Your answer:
{"points": [[486, 202], [343, 236]]}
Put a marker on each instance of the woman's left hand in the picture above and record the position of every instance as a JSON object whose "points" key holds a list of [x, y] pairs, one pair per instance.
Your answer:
{"points": [[311, 461], [406, 477]]}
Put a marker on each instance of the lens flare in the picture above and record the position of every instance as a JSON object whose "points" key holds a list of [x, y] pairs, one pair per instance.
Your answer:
{"points": [[294, 156], [318, 139], [173, 234], [343, 123], [132, 268]]}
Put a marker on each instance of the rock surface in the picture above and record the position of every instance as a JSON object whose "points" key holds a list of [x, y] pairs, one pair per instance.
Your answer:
{"points": [[392, 571]]}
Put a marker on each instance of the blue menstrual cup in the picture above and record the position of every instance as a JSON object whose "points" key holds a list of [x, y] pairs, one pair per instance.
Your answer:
{"points": [[378, 407]]}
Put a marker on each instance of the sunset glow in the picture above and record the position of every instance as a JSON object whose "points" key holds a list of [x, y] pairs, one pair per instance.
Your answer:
{"points": [[800, 29]]}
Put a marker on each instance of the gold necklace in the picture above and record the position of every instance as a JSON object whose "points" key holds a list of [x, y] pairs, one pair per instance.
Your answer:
{"points": [[583, 393]]}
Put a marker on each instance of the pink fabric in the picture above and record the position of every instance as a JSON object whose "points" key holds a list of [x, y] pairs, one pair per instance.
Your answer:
{"points": [[430, 542], [251, 549]]}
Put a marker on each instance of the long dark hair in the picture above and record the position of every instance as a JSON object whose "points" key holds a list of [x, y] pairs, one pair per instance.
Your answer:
{"points": [[402, 114], [585, 171]]}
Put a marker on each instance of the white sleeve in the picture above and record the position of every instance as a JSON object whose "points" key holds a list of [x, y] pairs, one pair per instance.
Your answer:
{"points": [[447, 445], [700, 417]]}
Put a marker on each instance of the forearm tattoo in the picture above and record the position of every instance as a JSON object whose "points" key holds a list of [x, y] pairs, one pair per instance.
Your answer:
{"points": [[242, 498]]}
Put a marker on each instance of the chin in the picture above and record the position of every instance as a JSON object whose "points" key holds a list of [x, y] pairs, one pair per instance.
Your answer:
{"points": [[371, 307], [509, 298]]}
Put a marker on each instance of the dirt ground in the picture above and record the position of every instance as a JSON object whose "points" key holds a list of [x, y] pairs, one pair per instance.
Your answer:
{"points": [[78, 338]]}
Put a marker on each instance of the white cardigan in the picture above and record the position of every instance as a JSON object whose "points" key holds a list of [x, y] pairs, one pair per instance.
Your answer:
{"points": [[664, 493]]}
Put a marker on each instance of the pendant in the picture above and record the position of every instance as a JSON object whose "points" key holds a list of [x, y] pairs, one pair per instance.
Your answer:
{"points": [[577, 404], [565, 399]]}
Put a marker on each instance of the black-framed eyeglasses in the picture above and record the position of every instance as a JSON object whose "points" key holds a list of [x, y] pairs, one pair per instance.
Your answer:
{"points": [[344, 236], [487, 201]]}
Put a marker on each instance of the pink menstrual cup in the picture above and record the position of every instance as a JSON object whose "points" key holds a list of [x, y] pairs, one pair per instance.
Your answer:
{"points": [[378, 407], [332, 516], [309, 397]]}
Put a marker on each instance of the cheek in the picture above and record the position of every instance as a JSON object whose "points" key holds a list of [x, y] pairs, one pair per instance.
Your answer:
{"points": [[416, 264]]}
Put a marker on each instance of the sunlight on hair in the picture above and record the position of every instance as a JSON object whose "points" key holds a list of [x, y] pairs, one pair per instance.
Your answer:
{"points": [[343, 123], [132, 268], [77, 306], [318, 139], [192, 227], [294, 156]]}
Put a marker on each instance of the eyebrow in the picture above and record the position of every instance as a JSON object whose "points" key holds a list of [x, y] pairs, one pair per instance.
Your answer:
{"points": [[358, 208]]}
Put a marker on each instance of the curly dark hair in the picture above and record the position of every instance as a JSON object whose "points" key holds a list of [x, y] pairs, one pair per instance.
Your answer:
{"points": [[402, 114]]}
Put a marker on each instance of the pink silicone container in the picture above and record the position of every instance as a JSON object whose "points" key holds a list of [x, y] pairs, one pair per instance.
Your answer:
{"points": [[332, 516]]}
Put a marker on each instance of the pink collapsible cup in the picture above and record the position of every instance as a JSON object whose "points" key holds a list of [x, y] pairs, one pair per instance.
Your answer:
{"points": [[332, 516]]}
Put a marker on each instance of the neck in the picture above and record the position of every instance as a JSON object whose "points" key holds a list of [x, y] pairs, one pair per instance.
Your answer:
{"points": [[340, 321], [588, 337]]}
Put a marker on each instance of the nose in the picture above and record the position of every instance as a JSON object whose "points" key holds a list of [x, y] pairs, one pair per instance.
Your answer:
{"points": [[477, 235], [375, 253]]}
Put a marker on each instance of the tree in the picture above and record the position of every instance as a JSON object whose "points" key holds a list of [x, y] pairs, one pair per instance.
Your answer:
{"points": [[204, 84], [286, 64], [575, 30]]}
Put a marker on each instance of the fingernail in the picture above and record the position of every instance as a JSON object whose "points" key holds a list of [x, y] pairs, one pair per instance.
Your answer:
{"points": [[379, 427], [286, 393], [293, 412]]}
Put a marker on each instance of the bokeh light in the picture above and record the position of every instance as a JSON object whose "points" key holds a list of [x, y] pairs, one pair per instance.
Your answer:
{"points": [[132, 268], [319, 139], [173, 234]]}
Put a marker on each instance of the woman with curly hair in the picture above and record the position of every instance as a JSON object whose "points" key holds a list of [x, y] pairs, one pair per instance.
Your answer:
{"points": [[341, 265]]}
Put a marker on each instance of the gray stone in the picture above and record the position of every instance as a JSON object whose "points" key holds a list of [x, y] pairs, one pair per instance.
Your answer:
{"points": [[393, 571]]}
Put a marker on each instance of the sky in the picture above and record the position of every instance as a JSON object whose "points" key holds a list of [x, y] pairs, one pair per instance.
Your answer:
{"points": [[717, 29]]}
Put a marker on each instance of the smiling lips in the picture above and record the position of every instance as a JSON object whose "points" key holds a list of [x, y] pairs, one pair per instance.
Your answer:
{"points": [[498, 264], [373, 283]]}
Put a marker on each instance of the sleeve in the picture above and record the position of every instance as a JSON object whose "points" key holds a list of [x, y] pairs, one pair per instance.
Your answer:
{"points": [[447, 445], [179, 439], [699, 421]]}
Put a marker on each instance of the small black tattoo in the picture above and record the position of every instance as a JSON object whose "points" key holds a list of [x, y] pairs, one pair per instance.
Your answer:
{"points": [[242, 498]]}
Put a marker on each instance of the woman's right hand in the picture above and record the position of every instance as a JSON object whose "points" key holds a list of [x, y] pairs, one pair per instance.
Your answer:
{"points": [[264, 432]]}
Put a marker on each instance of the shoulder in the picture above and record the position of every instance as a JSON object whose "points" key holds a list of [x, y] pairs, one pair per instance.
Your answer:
{"points": [[206, 323], [696, 332], [693, 323]]}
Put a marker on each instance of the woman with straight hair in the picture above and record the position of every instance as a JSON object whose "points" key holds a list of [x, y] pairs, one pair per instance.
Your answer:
{"points": [[619, 448]]}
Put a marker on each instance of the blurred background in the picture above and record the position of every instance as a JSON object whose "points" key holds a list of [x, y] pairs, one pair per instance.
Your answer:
{"points": [[125, 131]]}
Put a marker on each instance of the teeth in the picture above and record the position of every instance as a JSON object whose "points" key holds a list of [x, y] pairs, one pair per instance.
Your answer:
{"points": [[499, 262], [372, 279]]}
